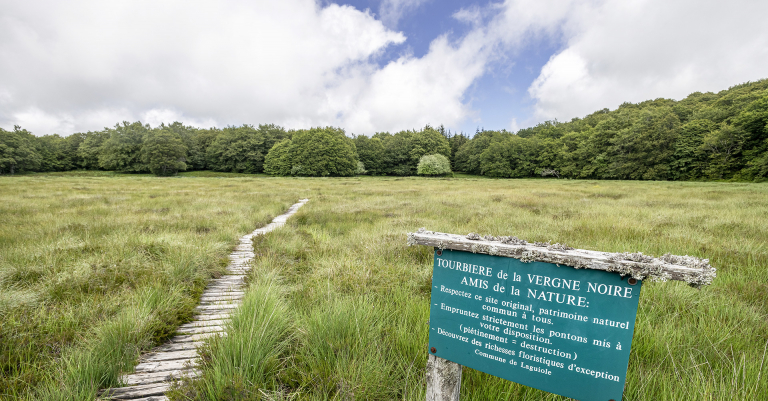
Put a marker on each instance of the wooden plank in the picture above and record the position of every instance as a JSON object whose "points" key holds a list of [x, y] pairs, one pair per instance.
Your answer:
{"points": [[221, 298], [696, 272], [171, 347], [158, 377], [164, 366], [199, 330], [213, 316], [225, 287], [203, 323], [228, 277], [215, 307], [133, 392], [169, 355], [211, 300], [227, 301], [196, 337], [232, 280], [231, 294], [215, 291], [222, 293], [242, 252], [152, 398]]}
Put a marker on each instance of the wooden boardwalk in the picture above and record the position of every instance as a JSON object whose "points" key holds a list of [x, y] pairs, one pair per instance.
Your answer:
{"points": [[159, 368]]}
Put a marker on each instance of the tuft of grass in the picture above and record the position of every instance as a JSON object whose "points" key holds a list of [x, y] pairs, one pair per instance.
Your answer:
{"points": [[245, 364]]}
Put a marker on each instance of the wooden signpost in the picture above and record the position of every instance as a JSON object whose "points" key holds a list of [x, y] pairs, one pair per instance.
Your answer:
{"points": [[546, 316]]}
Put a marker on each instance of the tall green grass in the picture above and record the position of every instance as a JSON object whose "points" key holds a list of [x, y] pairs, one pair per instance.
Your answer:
{"points": [[348, 300], [359, 297], [94, 269]]}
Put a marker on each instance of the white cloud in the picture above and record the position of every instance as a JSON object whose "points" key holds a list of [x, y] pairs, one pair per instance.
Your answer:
{"points": [[513, 126], [155, 117], [472, 15], [40, 120], [81, 65], [84, 64], [620, 51], [390, 11], [417, 91]]}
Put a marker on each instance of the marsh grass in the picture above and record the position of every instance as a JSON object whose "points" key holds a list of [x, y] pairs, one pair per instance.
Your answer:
{"points": [[96, 268], [359, 297], [353, 299]]}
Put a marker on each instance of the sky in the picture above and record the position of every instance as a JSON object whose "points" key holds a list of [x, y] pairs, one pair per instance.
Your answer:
{"points": [[366, 65]]}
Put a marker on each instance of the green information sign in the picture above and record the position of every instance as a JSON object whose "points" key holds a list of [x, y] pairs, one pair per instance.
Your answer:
{"points": [[555, 328]]}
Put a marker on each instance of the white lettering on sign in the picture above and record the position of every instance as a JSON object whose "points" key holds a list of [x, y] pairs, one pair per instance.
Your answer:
{"points": [[608, 289], [558, 297], [465, 267], [555, 282]]}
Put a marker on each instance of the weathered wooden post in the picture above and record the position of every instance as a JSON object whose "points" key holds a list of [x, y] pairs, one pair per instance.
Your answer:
{"points": [[547, 316], [443, 379]]}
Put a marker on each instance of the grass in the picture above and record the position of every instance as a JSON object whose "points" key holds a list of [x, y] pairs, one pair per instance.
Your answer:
{"points": [[95, 269], [338, 305]]}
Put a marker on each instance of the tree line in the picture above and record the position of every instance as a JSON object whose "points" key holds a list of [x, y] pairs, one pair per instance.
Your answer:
{"points": [[704, 136], [168, 149]]}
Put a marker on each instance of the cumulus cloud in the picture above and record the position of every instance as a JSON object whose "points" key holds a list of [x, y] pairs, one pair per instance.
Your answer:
{"points": [[391, 11], [618, 51], [417, 90], [82, 65]]}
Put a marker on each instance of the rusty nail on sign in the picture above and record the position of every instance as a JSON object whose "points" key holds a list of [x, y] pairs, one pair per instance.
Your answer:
{"points": [[439, 252], [632, 281], [433, 349]]}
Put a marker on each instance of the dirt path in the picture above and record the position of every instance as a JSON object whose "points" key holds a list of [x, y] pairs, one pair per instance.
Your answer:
{"points": [[159, 368]]}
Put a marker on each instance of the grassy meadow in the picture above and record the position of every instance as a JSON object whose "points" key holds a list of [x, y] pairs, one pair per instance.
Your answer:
{"points": [[95, 268]]}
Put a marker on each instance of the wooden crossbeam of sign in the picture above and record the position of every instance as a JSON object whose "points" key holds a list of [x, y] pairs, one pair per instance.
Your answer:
{"points": [[694, 271]]}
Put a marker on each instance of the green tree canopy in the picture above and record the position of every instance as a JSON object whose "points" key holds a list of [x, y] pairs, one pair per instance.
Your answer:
{"points": [[428, 141], [468, 156], [90, 148], [278, 160], [434, 165], [403, 150], [164, 152], [242, 149], [322, 152], [370, 151], [122, 151], [17, 151]]}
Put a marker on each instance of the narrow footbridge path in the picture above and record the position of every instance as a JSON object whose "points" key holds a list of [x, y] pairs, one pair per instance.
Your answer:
{"points": [[159, 368]]}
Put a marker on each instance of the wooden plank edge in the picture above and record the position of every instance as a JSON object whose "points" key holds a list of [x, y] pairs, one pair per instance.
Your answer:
{"points": [[694, 271]]}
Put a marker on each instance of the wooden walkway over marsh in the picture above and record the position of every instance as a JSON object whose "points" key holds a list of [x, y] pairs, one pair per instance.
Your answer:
{"points": [[159, 368]]}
